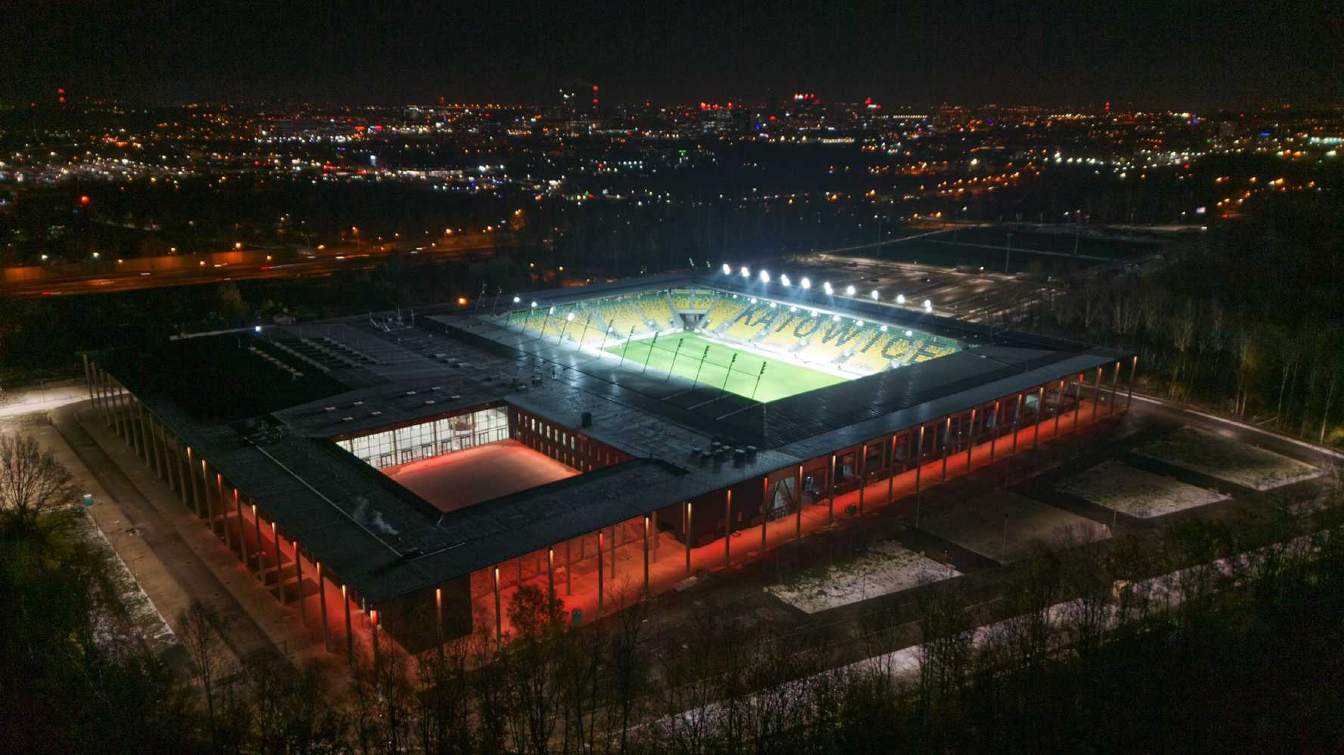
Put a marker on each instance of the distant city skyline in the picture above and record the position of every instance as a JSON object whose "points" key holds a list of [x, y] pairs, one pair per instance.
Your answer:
{"points": [[1150, 54]]}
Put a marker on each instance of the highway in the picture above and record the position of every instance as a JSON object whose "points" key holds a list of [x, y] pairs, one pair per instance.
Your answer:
{"points": [[320, 265]]}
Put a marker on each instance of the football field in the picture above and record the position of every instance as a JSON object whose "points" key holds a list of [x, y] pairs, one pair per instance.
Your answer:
{"points": [[706, 362]]}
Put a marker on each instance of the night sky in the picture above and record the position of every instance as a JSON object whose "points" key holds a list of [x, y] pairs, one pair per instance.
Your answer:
{"points": [[1169, 54]]}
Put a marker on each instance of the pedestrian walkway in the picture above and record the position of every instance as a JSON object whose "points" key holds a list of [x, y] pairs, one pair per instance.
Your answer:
{"points": [[174, 558]]}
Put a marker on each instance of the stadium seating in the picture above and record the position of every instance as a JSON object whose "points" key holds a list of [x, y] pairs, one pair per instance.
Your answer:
{"points": [[811, 336]]}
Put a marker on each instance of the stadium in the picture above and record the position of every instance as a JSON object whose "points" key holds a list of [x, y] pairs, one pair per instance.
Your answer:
{"points": [[397, 477]]}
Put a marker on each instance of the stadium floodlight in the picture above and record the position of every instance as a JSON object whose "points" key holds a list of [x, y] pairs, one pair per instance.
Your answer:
{"points": [[784, 280], [550, 311], [909, 334], [257, 329], [765, 276], [900, 298], [835, 318], [806, 283], [727, 269], [569, 317], [826, 286], [928, 305], [875, 295], [849, 290], [516, 299], [883, 328], [534, 305], [746, 271]]}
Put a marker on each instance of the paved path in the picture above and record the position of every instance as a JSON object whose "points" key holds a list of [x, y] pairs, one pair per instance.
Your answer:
{"points": [[173, 556]]}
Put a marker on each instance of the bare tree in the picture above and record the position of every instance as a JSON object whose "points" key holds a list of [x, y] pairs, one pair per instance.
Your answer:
{"points": [[203, 647], [31, 480]]}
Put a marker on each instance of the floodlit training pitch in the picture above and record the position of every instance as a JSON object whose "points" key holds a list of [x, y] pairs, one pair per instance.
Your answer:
{"points": [[707, 363]]}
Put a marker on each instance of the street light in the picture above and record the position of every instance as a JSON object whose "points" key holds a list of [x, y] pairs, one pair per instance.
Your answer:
{"points": [[874, 295]]}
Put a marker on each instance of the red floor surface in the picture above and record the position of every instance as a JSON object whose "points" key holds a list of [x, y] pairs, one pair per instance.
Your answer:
{"points": [[464, 478]]}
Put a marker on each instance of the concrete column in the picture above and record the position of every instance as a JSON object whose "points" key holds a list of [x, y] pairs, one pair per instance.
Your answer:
{"points": [[947, 443], [686, 531], [601, 579], [1078, 398], [891, 470], [970, 440], [919, 458], [196, 488], [1096, 393], [550, 573], [1040, 409], [830, 490], [242, 538], [350, 631], [1017, 416], [863, 472], [1133, 367], [322, 606], [727, 526], [798, 485], [261, 557], [88, 374], [765, 505], [1115, 385], [298, 576], [1059, 405], [994, 434], [569, 572]]}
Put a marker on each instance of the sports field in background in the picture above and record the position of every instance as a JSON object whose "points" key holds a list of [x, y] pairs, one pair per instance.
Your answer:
{"points": [[780, 379]]}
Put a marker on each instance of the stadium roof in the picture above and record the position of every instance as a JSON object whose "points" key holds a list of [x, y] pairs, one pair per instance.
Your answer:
{"points": [[238, 401]]}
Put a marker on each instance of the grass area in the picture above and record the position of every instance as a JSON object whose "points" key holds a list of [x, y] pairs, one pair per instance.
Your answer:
{"points": [[780, 379]]}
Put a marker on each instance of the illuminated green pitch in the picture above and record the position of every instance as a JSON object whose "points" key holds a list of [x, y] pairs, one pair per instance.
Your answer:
{"points": [[711, 367]]}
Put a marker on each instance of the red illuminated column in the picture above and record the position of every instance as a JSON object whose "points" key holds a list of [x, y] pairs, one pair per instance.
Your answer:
{"points": [[863, 472], [1040, 407], [242, 537], [601, 580], [686, 531], [1017, 416], [970, 441], [994, 433], [298, 576], [798, 515], [1096, 393], [1059, 405], [350, 631], [1078, 397], [1133, 367], [322, 606], [765, 505], [727, 526], [830, 491], [891, 471], [919, 458], [1115, 385], [947, 442], [550, 573], [499, 618], [648, 524]]}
